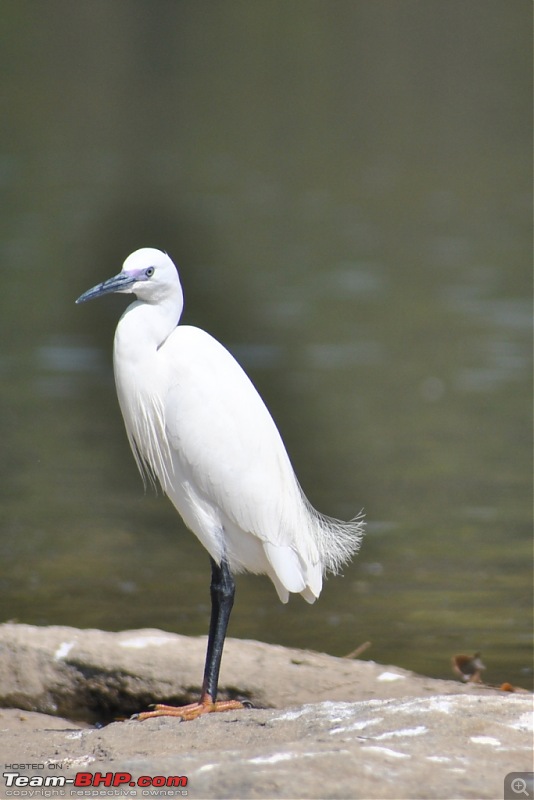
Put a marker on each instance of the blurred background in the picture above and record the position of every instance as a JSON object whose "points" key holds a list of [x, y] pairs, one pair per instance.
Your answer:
{"points": [[346, 188]]}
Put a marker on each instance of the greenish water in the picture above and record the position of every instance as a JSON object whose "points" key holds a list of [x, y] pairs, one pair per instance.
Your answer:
{"points": [[348, 196]]}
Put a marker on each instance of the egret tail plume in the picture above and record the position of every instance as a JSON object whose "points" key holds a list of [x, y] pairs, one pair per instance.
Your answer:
{"points": [[337, 541]]}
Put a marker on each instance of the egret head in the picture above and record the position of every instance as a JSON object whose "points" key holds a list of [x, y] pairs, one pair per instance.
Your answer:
{"points": [[148, 273]]}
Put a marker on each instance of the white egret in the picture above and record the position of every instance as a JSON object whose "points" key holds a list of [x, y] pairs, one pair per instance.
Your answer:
{"points": [[197, 425]]}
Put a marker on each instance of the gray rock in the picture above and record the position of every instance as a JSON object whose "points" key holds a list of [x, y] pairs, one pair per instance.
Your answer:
{"points": [[382, 733], [96, 675]]}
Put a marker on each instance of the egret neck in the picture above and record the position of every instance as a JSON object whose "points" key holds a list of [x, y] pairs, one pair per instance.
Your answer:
{"points": [[140, 377]]}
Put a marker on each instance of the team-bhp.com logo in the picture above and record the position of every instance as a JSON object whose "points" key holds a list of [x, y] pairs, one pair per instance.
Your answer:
{"points": [[83, 784]]}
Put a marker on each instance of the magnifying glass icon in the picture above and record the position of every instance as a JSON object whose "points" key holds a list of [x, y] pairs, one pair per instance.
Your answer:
{"points": [[519, 786]]}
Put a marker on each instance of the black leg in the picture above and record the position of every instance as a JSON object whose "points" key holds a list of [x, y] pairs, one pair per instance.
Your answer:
{"points": [[222, 591], [222, 600]]}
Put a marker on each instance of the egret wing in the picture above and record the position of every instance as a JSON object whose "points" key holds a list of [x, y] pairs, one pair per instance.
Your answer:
{"points": [[224, 440]]}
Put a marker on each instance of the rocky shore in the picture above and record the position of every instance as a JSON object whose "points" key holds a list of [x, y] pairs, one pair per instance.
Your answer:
{"points": [[319, 726]]}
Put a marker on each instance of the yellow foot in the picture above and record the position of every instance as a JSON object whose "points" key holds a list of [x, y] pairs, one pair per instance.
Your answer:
{"points": [[192, 711]]}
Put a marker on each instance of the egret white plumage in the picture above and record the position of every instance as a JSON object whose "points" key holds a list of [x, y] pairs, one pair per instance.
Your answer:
{"points": [[198, 426]]}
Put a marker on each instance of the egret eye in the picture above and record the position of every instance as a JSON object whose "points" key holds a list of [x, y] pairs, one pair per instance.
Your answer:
{"points": [[149, 272]]}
